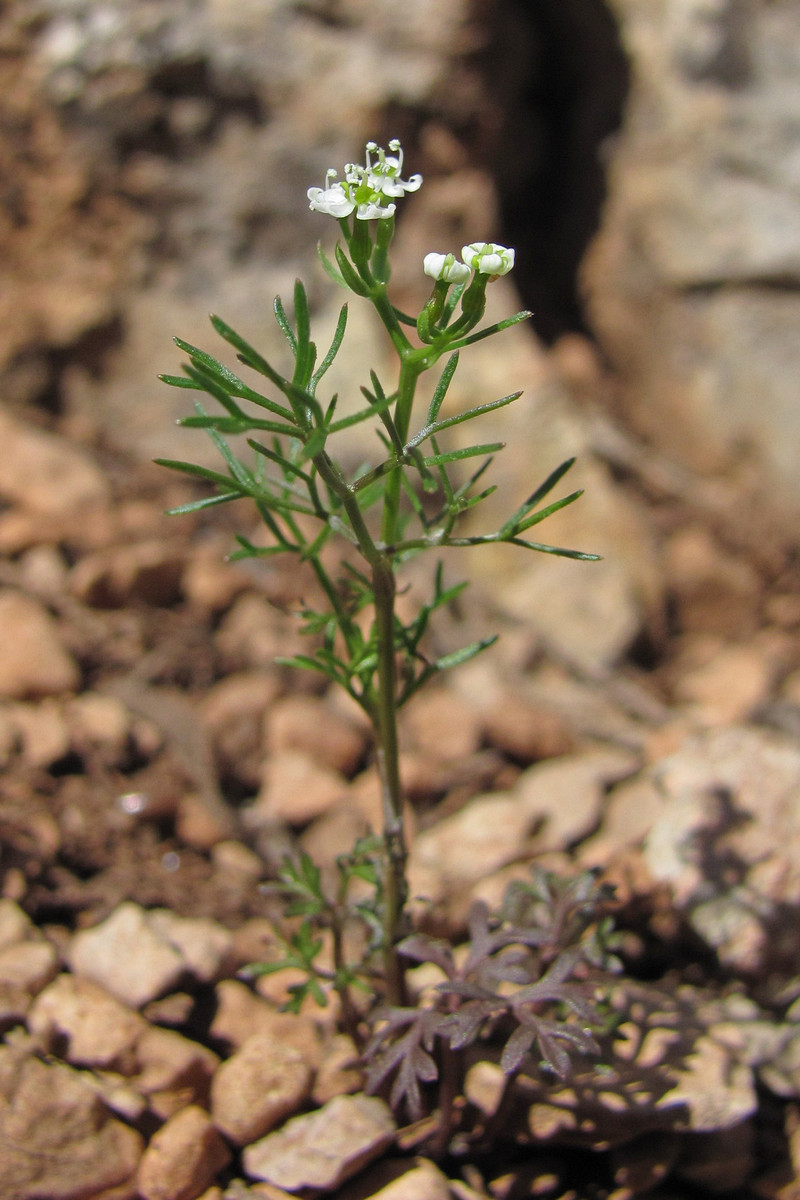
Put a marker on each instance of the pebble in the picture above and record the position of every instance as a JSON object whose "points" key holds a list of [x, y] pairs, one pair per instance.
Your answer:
{"points": [[443, 724], [15, 924], [728, 687], [320, 1150], [57, 1138], [182, 1158], [421, 1181], [240, 1014], [93, 1027], [40, 731], [526, 731], [45, 473], [205, 946], [172, 1070], [148, 572], [295, 789], [309, 724], [260, 1085], [33, 660], [127, 956], [28, 965]]}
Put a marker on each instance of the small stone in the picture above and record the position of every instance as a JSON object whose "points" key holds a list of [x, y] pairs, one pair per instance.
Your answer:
{"points": [[15, 924], [324, 1148], [57, 1138], [240, 1014], [567, 794], [183, 1157], [98, 721], [729, 687], [309, 724], [28, 965], [93, 1028], [173, 1071], [149, 572], [526, 731], [210, 583], [295, 789], [443, 724], [339, 1072], [41, 732], [45, 473], [258, 1087], [33, 660], [127, 956], [204, 944], [399, 1181]]}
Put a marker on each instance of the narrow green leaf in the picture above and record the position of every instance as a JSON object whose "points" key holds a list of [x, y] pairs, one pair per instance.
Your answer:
{"points": [[496, 328], [212, 365], [536, 517], [329, 268], [338, 337], [351, 277], [464, 655], [205, 473], [460, 418], [180, 381], [442, 386], [433, 460], [284, 463], [558, 550], [283, 324], [196, 505], [543, 490]]}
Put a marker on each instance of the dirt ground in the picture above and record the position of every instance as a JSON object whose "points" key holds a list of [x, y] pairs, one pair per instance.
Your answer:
{"points": [[156, 760]]}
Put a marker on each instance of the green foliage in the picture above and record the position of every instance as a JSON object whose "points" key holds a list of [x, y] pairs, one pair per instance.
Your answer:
{"points": [[412, 499]]}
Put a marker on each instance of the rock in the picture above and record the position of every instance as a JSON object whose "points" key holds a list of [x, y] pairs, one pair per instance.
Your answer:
{"points": [[390, 1180], [127, 956], [57, 1138], [324, 1148], [33, 660], [28, 965], [260, 1085], [312, 726], [240, 1014], [172, 1071], [729, 687], [339, 1071], [182, 1158], [443, 724], [15, 924], [567, 795], [727, 796], [712, 591], [693, 282], [525, 730], [93, 1028], [295, 790], [45, 473], [146, 571], [40, 730], [204, 945]]}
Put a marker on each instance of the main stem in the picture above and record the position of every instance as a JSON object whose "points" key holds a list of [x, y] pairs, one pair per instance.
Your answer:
{"points": [[385, 723]]}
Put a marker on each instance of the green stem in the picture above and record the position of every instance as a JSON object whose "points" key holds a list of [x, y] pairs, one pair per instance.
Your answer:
{"points": [[383, 713]]}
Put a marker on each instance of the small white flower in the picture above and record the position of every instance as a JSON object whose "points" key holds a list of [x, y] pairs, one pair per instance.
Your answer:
{"points": [[384, 175], [334, 199], [446, 267], [370, 189], [488, 258]]}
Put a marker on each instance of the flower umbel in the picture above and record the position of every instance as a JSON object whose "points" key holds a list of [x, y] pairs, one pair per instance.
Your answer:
{"points": [[488, 258], [446, 267], [370, 190]]}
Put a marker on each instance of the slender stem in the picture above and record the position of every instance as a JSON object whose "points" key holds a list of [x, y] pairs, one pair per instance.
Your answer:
{"points": [[385, 725]]}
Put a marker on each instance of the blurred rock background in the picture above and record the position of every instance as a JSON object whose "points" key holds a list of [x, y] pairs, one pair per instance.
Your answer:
{"points": [[154, 159]]}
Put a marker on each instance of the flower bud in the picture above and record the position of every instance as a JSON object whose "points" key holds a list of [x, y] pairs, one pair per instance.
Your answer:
{"points": [[488, 258], [445, 267]]}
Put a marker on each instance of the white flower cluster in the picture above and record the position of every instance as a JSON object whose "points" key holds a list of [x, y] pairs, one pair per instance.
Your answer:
{"points": [[487, 258], [368, 190]]}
